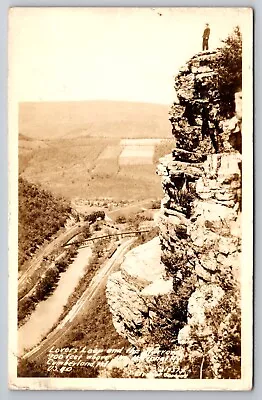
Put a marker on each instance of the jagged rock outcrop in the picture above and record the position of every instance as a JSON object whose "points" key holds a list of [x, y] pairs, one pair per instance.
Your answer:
{"points": [[203, 299], [149, 363], [197, 120], [197, 110], [135, 292], [202, 189], [197, 259]]}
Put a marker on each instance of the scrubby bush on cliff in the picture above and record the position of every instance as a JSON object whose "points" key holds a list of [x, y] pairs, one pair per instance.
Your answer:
{"points": [[171, 312], [227, 352], [184, 198], [170, 316], [214, 350], [229, 69], [181, 196], [147, 236], [156, 204]]}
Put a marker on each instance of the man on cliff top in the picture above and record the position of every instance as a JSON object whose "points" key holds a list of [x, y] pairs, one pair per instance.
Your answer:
{"points": [[206, 37]]}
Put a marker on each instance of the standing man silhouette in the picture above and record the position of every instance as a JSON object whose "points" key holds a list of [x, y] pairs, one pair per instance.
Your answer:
{"points": [[206, 37]]}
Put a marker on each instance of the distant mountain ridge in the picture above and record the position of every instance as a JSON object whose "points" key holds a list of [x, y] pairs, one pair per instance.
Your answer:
{"points": [[54, 120]]}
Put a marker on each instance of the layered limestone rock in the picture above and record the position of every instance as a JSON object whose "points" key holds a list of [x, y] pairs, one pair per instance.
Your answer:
{"points": [[197, 123], [184, 272], [204, 299], [215, 233], [135, 292], [149, 363], [200, 220], [201, 180]]}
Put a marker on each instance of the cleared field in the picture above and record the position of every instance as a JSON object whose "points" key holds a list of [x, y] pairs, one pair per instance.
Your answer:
{"points": [[107, 164], [64, 167], [142, 142], [137, 155], [56, 158], [105, 168], [140, 182], [92, 168], [67, 154], [110, 152]]}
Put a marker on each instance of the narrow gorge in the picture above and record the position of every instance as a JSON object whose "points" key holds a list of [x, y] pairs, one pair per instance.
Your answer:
{"points": [[179, 294]]}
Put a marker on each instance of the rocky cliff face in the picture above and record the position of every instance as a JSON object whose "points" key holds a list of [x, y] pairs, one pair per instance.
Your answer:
{"points": [[197, 120], [135, 292], [166, 288], [201, 180]]}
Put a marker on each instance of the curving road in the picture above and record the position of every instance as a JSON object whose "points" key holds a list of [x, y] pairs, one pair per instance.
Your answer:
{"points": [[45, 251], [84, 301]]}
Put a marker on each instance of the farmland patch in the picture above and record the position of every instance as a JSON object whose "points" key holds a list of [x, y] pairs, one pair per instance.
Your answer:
{"points": [[96, 167], [137, 155], [106, 164], [110, 152], [142, 142]]}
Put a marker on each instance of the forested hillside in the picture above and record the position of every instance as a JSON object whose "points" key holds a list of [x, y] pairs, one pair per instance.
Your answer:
{"points": [[40, 216]]}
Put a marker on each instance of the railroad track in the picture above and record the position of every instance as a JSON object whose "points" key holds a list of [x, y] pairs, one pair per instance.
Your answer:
{"points": [[84, 301], [121, 234]]}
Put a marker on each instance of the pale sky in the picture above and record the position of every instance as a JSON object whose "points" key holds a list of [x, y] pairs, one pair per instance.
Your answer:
{"points": [[108, 54]]}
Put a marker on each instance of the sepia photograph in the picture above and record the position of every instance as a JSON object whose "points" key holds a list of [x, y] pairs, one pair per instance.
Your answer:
{"points": [[130, 198]]}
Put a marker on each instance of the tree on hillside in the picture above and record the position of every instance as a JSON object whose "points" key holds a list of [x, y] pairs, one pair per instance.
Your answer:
{"points": [[229, 69]]}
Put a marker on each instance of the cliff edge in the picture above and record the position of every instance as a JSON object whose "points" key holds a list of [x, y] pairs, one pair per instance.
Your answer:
{"points": [[181, 290]]}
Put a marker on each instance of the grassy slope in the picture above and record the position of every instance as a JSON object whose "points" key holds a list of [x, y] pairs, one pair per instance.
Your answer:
{"points": [[69, 164], [95, 328], [72, 168]]}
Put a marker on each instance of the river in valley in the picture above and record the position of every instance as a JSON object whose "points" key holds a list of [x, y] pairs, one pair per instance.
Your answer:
{"points": [[47, 312]]}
